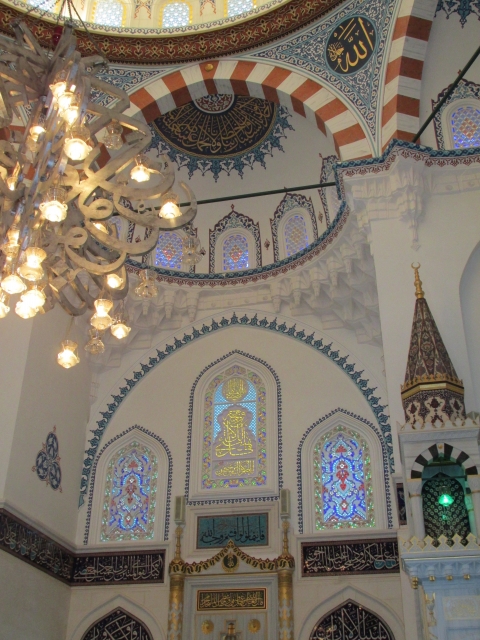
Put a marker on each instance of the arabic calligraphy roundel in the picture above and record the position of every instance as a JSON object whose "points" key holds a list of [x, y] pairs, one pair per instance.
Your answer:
{"points": [[218, 126], [351, 45]]}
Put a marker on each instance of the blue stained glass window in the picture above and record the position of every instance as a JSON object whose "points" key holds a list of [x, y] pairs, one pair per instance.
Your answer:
{"points": [[234, 442], [109, 12], [130, 495], [236, 7], [169, 250], [235, 252], [176, 14], [296, 237], [465, 123], [342, 476]]}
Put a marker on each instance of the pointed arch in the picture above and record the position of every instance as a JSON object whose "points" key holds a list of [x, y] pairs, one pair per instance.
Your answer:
{"points": [[306, 487], [118, 621], [449, 453], [162, 483], [264, 481], [289, 88], [231, 225]]}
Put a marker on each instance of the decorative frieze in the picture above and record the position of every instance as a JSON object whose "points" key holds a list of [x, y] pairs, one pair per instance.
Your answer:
{"points": [[350, 557], [28, 544]]}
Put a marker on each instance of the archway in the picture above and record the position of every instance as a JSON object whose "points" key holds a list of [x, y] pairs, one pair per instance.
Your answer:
{"points": [[351, 621], [116, 624]]}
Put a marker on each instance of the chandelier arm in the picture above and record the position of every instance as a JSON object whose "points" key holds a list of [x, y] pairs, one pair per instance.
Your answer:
{"points": [[68, 306], [130, 248]]}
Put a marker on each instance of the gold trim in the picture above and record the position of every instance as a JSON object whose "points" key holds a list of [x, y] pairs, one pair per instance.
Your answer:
{"points": [[419, 293], [411, 388]]}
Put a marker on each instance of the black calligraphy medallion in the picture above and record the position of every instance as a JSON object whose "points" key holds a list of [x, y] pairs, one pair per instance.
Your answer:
{"points": [[351, 45], [218, 126]]}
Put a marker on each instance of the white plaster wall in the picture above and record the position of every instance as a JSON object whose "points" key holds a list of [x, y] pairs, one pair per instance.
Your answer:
{"points": [[449, 49], [311, 386], [50, 396], [33, 606], [470, 301]]}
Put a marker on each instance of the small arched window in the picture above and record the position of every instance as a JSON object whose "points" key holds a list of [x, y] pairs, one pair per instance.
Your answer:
{"points": [[465, 126], [342, 481], [109, 13], [296, 236], [351, 620], [130, 494], [236, 7], [235, 252], [169, 251], [176, 14]]}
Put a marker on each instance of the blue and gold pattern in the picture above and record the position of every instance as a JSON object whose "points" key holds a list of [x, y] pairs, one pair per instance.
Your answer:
{"points": [[47, 462], [221, 132], [351, 45]]}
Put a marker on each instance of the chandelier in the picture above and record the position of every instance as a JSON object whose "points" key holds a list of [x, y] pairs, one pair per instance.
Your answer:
{"points": [[61, 186]]}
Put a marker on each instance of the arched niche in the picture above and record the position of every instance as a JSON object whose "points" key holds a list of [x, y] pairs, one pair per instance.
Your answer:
{"points": [[209, 421], [470, 305], [380, 476], [159, 489]]}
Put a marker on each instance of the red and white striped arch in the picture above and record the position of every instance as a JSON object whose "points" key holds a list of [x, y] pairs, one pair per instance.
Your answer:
{"points": [[401, 104], [289, 88]]}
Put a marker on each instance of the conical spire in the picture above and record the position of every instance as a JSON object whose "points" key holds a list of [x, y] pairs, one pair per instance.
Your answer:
{"points": [[432, 389]]}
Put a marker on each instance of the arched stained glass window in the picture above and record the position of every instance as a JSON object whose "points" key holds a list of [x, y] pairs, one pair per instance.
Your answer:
{"points": [[351, 621], [169, 250], [342, 481], [109, 13], [118, 624], [296, 237], [176, 14], [235, 252], [130, 494], [235, 7], [465, 123], [234, 437]]}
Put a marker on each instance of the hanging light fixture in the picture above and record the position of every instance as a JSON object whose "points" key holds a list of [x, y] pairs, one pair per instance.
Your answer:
{"points": [[95, 345], [169, 208], [68, 355], [192, 253], [147, 287], [120, 328], [101, 320], [445, 499], [52, 208]]}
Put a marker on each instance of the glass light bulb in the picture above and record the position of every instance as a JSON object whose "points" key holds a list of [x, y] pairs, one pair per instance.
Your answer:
{"points": [[445, 499], [101, 323], [76, 149], [114, 281], [64, 101], [102, 307], [120, 330], [36, 131], [59, 87], [34, 297], [12, 284], [24, 310], [169, 209], [113, 138], [140, 173], [95, 345], [70, 114], [4, 300], [11, 182], [31, 269], [67, 356], [13, 234], [53, 207]]}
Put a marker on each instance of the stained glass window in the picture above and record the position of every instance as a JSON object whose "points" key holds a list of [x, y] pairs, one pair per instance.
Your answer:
{"points": [[353, 622], [235, 252], [234, 438], [235, 7], [176, 14], [109, 12], [117, 625], [465, 122], [169, 250], [296, 237], [130, 494], [342, 480]]}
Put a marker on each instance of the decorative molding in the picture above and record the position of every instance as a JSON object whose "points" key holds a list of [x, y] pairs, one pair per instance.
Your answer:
{"points": [[184, 47], [278, 421], [464, 8], [291, 201], [308, 52], [464, 90], [234, 220], [262, 142], [213, 326], [39, 550], [384, 438], [115, 623], [248, 529], [332, 558], [448, 453], [131, 430], [327, 174]]}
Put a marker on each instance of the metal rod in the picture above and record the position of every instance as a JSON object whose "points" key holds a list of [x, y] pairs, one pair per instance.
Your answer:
{"points": [[258, 194], [447, 95]]}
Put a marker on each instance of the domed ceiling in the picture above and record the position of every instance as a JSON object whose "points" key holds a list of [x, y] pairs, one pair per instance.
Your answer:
{"points": [[170, 31]]}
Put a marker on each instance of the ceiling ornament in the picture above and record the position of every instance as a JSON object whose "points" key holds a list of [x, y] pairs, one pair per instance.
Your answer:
{"points": [[59, 244], [161, 49], [221, 133]]}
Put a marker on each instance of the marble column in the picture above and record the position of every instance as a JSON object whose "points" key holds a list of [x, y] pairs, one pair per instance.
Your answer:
{"points": [[416, 504], [177, 589], [474, 484], [285, 569]]}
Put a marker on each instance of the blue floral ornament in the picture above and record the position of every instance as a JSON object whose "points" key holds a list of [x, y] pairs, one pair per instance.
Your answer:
{"points": [[47, 462]]}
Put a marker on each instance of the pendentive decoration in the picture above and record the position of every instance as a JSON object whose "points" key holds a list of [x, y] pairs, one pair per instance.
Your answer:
{"points": [[47, 462], [432, 391], [351, 45]]}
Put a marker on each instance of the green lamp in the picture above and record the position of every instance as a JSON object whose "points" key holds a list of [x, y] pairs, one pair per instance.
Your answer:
{"points": [[445, 499]]}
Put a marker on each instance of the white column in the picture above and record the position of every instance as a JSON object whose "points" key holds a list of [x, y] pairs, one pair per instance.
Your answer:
{"points": [[416, 504], [474, 484]]}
